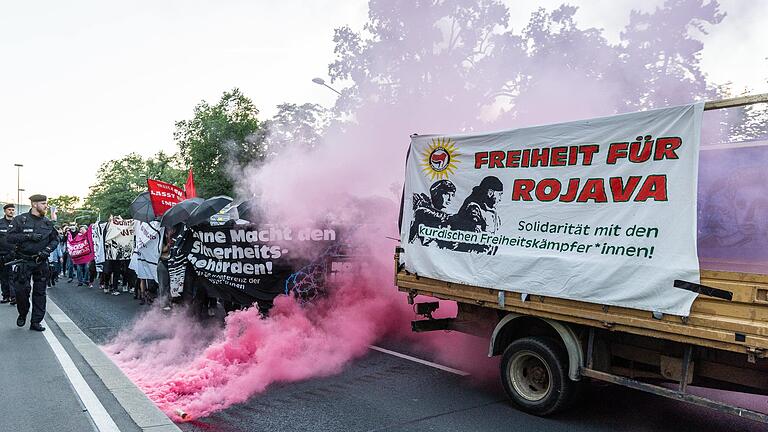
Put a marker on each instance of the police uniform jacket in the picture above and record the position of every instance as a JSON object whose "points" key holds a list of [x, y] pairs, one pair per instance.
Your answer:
{"points": [[22, 230], [5, 247]]}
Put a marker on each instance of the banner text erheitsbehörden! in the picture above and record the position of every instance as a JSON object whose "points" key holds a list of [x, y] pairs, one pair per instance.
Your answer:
{"points": [[252, 260]]}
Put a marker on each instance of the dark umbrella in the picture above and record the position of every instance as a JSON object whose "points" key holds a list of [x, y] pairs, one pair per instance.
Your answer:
{"points": [[141, 208], [180, 212], [246, 210], [208, 208]]}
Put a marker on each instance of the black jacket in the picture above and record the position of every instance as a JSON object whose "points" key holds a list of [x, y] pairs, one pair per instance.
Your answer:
{"points": [[21, 233], [5, 247]]}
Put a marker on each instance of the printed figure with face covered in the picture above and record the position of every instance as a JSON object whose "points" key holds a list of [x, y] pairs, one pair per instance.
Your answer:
{"points": [[478, 214], [430, 210]]}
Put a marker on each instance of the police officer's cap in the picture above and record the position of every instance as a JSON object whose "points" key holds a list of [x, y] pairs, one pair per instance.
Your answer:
{"points": [[7, 206], [38, 198]]}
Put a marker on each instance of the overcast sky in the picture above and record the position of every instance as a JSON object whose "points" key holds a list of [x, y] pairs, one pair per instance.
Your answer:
{"points": [[83, 82]]}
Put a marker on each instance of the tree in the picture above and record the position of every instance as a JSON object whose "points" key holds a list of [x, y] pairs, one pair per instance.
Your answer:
{"points": [[118, 182], [752, 124], [66, 208], [302, 125], [663, 45], [457, 63], [64, 202], [220, 138], [443, 59]]}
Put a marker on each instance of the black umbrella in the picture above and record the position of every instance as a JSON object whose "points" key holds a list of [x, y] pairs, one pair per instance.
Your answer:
{"points": [[208, 208], [247, 210], [141, 208], [180, 212]]}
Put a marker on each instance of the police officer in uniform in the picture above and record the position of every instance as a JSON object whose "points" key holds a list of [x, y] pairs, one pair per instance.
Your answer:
{"points": [[35, 238], [6, 255]]}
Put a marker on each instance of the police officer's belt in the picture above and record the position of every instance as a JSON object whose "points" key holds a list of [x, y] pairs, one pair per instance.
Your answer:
{"points": [[20, 258]]}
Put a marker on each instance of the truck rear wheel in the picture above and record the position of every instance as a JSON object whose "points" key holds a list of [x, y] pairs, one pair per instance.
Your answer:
{"points": [[534, 371]]}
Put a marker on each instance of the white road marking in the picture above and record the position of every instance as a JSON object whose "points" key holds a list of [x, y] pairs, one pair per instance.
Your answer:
{"points": [[96, 410], [418, 360]]}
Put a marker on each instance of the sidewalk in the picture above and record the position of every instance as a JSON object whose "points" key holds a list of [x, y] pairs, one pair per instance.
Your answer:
{"points": [[35, 393], [59, 380]]}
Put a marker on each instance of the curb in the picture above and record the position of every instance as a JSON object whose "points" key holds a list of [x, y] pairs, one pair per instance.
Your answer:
{"points": [[142, 411]]}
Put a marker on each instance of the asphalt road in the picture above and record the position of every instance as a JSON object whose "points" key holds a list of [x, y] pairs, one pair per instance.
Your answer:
{"points": [[381, 392]]}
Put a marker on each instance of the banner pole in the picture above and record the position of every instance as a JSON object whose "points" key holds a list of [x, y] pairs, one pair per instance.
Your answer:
{"points": [[736, 102]]}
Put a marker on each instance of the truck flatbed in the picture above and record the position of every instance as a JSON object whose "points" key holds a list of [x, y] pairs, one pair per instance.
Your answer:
{"points": [[739, 325]]}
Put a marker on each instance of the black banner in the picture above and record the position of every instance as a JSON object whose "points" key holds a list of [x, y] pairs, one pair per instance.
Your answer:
{"points": [[246, 263]]}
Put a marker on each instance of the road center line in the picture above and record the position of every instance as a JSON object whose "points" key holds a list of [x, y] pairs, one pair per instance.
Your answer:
{"points": [[96, 410], [418, 360]]}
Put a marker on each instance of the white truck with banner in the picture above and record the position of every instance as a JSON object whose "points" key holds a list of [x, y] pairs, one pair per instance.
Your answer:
{"points": [[573, 247]]}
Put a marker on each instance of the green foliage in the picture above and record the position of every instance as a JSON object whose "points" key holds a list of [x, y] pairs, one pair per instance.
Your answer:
{"points": [[64, 202], [120, 181], [66, 208], [296, 125], [220, 138]]}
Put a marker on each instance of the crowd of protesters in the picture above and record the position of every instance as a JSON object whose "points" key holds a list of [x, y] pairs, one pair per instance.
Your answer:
{"points": [[114, 275], [117, 257], [35, 254], [74, 260]]}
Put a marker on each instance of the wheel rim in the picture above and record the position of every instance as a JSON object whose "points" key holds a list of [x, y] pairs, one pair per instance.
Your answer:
{"points": [[530, 376]]}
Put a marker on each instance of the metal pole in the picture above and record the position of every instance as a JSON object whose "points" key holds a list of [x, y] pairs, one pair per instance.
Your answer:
{"points": [[322, 82], [736, 102], [683, 387], [337, 92], [18, 185]]}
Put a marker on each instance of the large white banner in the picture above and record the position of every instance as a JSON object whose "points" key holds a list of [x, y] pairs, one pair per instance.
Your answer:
{"points": [[97, 231], [146, 251], [118, 239], [600, 210]]}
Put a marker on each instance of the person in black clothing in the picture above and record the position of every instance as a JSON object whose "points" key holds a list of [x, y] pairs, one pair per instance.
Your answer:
{"points": [[430, 210], [34, 238], [6, 255], [478, 214]]}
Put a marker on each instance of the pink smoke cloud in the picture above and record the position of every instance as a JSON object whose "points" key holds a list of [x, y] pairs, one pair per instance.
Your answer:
{"points": [[409, 77], [227, 366]]}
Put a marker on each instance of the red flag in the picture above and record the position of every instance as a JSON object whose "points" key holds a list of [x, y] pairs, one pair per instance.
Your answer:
{"points": [[189, 186], [163, 195]]}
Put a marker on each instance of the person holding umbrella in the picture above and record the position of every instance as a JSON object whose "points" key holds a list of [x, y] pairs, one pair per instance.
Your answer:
{"points": [[147, 246], [200, 216]]}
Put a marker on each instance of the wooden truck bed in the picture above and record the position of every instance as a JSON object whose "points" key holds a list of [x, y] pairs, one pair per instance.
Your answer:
{"points": [[740, 325]]}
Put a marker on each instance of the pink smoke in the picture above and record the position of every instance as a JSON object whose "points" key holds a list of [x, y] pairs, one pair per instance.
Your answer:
{"points": [[428, 67], [250, 353]]}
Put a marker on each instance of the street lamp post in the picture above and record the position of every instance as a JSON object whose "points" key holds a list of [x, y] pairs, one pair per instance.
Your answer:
{"points": [[18, 184], [320, 81]]}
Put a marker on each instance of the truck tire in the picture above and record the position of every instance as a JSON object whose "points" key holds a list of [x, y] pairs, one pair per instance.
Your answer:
{"points": [[534, 371]]}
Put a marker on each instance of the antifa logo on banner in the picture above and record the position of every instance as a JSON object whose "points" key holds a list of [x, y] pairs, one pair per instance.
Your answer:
{"points": [[440, 159]]}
